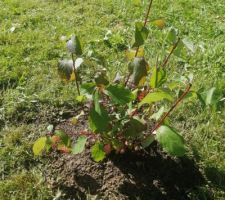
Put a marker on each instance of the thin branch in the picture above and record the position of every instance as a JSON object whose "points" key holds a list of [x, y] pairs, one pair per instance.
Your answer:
{"points": [[148, 12], [128, 77], [159, 123], [171, 52], [136, 53], [75, 71]]}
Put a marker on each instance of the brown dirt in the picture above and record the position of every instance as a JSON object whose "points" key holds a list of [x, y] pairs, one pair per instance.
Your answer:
{"points": [[144, 175]]}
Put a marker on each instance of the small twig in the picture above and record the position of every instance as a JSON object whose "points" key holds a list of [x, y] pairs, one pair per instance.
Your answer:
{"points": [[171, 52], [75, 71], [147, 14], [136, 53], [157, 61], [159, 123], [88, 134], [128, 77]]}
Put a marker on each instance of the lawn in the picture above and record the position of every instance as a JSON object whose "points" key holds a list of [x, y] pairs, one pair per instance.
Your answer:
{"points": [[32, 40]]}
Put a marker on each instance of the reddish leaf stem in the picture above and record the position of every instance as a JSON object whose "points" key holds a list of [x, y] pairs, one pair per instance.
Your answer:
{"points": [[147, 14], [171, 52], [159, 123], [128, 77]]}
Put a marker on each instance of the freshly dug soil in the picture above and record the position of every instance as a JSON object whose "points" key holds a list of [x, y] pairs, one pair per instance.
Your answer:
{"points": [[134, 175]]}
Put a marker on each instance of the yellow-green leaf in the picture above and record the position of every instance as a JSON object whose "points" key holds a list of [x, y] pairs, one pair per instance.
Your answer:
{"points": [[81, 98], [158, 77], [155, 97], [39, 146], [97, 152], [136, 2], [79, 145], [160, 23], [74, 121], [172, 36], [171, 141], [130, 53]]}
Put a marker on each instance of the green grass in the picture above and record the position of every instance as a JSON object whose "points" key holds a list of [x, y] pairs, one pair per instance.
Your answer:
{"points": [[30, 90]]}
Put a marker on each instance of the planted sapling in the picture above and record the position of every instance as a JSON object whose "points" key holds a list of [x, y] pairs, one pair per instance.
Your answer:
{"points": [[124, 114]]}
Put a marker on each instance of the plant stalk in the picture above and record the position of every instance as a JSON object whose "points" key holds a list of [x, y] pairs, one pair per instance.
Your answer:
{"points": [[148, 12], [75, 71], [159, 123], [171, 52]]}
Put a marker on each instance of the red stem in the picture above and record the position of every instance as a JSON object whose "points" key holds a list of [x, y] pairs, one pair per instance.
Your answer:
{"points": [[159, 123], [171, 52], [147, 14]]}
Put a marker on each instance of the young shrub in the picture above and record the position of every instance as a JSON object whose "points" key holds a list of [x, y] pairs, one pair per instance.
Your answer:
{"points": [[122, 111]]}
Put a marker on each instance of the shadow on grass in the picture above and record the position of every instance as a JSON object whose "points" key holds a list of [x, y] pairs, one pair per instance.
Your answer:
{"points": [[216, 177]]}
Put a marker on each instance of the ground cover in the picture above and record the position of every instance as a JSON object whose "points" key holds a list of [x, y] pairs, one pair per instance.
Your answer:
{"points": [[32, 40]]}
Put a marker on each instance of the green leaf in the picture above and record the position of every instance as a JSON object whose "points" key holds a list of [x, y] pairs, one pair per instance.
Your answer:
{"points": [[174, 85], [119, 94], [172, 36], [155, 97], [39, 146], [88, 88], [79, 145], [48, 144], [97, 152], [191, 95], [134, 127], [64, 138], [158, 77], [189, 45], [96, 102], [74, 45], [212, 96], [101, 79], [158, 114], [136, 2], [180, 51], [171, 141], [97, 122], [141, 34], [78, 63], [81, 98], [66, 71], [160, 23], [147, 141], [139, 70]]}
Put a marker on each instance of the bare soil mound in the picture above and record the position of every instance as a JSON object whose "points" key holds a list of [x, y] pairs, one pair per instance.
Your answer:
{"points": [[145, 175]]}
